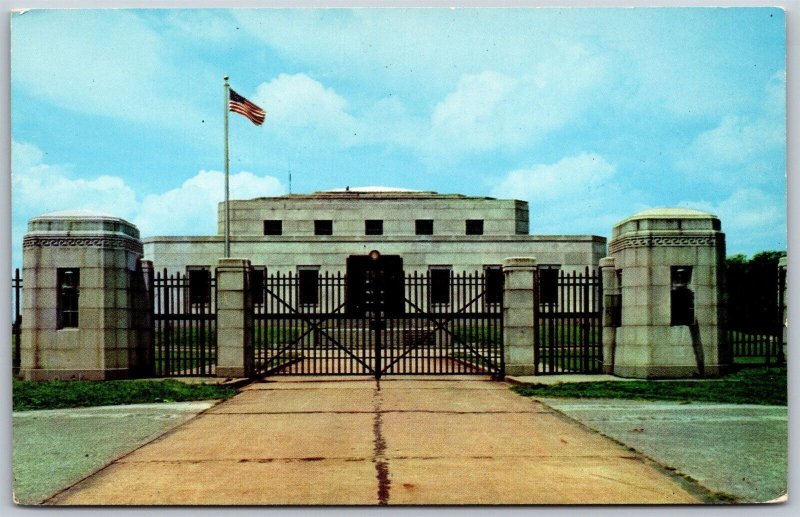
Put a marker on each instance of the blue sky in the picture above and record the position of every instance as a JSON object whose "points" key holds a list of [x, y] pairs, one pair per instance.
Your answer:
{"points": [[590, 115]]}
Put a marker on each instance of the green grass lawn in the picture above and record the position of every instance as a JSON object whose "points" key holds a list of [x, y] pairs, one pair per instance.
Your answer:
{"points": [[28, 395], [765, 386]]}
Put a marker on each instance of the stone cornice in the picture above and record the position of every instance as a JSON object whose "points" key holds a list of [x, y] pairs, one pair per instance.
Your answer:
{"points": [[128, 244], [664, 241]]}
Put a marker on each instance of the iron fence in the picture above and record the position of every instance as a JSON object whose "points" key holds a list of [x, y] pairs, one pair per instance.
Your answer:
{"points": [[184, 341], [568, 322], [374, 328]]}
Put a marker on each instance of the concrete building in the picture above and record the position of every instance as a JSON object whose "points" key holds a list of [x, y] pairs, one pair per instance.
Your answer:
{"points": [[425, 229]]}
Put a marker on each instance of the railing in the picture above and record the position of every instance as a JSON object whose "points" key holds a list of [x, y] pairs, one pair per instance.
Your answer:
{"points": [[568, 323], [377, 328], [184, 342]]}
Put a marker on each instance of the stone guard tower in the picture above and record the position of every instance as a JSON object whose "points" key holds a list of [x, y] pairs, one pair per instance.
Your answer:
{"points": [[667, 266], [84, 297]]}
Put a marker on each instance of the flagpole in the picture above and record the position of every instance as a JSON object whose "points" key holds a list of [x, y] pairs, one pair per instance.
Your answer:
{"points": [[227, 174]]}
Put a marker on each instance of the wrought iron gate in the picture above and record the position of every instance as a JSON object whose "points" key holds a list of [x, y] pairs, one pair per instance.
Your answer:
{"points": [[568, 322], [414, 324], [184, 341]]}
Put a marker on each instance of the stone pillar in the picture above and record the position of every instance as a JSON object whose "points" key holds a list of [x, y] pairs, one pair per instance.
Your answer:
{"points": [[671, 261], [611, 307], [783, 303], [518, 315], [234, 318], [80, 273]]}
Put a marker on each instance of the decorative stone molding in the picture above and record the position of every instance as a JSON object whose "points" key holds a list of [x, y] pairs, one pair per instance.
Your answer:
{"points": [[648, 242], [33, 241]]}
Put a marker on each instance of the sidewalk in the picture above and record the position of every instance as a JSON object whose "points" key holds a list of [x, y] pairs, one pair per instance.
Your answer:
{"points": [[402, 441], [738, 449], [54, 448]]}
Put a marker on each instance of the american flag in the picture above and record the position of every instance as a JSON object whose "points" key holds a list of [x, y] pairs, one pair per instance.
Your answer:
{"points": [[242, 106]]}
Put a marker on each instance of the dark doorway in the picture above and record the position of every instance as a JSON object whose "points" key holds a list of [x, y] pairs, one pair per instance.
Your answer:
{"points": [[374, 283]]}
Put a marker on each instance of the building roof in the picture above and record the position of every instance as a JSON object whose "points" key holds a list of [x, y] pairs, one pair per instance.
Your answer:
{"points": [[370, 192], [670, 213]]}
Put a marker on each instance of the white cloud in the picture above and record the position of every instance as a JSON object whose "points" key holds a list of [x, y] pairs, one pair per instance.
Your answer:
{"points": [[576, 194], [490, 110], [299, 104], [191, 209], [751, 218], [743, 146], [39, 188]]}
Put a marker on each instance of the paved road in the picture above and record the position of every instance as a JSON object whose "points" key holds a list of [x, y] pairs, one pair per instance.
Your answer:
{"points": [[738, 449], [55, 448], [402, 441]]}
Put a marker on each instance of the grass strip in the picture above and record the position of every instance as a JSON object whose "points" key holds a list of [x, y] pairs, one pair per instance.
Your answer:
{"points": [[765, 386], [29, 395]]}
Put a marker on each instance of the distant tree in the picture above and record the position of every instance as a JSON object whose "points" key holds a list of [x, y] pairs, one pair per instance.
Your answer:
{"points": [[752, 290]]}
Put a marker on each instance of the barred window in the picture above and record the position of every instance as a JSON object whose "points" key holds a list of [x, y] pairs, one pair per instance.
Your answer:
{"points": [[440, 284], [308, 285], [548, 283], [68, 281], [257, 275], [494, 284], [199, 284]]}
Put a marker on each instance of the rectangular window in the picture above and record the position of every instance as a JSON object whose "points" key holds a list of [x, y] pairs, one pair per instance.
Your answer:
{"points": [[68, 281], [681, 296], [308, 285], [548, 283], [440, 284], [257, 275], [424, 226], [273, 227], [373, 227], [494, 284], [616, 314], [199, 284], [323, 227], [474, 226]]}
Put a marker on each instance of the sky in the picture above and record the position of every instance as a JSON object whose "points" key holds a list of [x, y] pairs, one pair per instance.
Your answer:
{"points": [[590, 115]]}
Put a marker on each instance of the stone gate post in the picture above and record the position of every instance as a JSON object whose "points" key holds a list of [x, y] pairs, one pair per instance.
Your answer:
{"points": [[671, 262], [80, 295], [234, 318], [518, 315], [611, 307]]}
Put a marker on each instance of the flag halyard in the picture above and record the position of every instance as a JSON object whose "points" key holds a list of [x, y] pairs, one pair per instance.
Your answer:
{"points": [[242, 106]]}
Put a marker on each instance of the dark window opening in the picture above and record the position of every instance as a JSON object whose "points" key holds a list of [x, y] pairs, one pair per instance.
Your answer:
{"points": [[199, 284], [308, 285], [257, 275], [68, 281], [323, 227], [373, 227], [440, 284], [494, 284], [616, 314], [273, 227], [474, 226], [548, 284], [424, 226], [681, 296]]}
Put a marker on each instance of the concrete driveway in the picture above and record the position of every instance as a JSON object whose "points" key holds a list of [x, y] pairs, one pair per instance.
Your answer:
{"points": [[444, 440]]}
